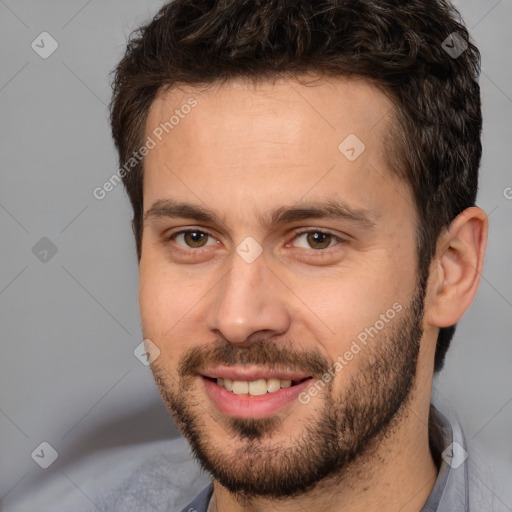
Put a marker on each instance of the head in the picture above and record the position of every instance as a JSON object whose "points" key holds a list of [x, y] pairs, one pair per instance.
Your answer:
{"points": [[324, 158]]}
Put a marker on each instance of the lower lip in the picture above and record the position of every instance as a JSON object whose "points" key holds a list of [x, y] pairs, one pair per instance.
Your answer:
{"points": [[248, 406]]}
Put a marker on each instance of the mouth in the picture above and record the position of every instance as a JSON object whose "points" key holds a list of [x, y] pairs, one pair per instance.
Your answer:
{"points": [[256, 387], [241, 393]]}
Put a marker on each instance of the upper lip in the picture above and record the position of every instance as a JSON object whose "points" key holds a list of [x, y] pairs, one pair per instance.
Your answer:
{"points": [[252, 374]]}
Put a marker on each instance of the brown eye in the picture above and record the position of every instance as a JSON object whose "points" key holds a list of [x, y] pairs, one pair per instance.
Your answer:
{"points": [[315, 240], [195, 238], [318, 240], [192, 239]]}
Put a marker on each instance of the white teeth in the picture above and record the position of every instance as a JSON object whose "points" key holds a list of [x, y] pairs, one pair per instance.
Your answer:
{"points": [[273, 385], [255, 387], [240, 387], [258, 387], [228, 384]]}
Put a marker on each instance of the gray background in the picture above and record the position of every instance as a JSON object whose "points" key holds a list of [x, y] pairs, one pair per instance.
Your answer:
{"points": [[70, 324]]}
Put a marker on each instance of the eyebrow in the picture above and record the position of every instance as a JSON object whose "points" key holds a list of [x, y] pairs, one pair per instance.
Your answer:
{"points": [[330, 209]]}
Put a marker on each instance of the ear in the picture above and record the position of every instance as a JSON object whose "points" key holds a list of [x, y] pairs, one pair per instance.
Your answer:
{"points": [[457, 268]]}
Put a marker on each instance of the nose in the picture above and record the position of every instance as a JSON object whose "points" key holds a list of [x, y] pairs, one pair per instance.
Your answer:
{"points": [[250, 299]]}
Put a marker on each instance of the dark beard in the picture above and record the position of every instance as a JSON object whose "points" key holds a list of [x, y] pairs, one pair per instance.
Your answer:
{"points": [[371, 403]]}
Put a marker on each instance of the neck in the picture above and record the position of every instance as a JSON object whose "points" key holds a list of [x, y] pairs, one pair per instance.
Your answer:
{"points": [[396, 472]]}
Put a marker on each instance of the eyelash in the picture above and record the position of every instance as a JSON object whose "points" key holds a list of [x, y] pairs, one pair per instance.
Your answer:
{"points": [[296, 235]]}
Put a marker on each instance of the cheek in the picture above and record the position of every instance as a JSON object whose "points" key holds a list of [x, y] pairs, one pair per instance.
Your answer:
{"points": [[360, 302], [172, 305], [162, 300], [358, 293], [160, 312]]}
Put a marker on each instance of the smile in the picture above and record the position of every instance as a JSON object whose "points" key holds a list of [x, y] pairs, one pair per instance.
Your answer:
{"points": [[256, 387], [253, 397]]}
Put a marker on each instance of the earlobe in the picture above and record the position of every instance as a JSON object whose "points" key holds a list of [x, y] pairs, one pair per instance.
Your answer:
{"points": [[459, 263]]}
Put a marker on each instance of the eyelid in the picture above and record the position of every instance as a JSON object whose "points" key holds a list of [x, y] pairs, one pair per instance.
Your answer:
{"points": [[298, 232], [171, 236], [182, 230], [338, 237]]}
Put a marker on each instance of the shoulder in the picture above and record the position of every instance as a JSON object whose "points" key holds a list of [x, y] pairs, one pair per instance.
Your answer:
{"points": [[165, 478], [486, 489], [156, 476], [465, 479]]}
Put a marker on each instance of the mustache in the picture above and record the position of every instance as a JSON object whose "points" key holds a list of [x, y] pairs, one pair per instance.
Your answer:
{"points": [[262, 352]]}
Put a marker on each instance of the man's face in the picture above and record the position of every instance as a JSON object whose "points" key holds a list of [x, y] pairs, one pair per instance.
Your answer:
{"points": [[305, 267]]}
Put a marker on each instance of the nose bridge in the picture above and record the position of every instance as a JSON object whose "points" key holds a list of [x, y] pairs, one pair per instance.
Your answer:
{"points": [[248, 301]]}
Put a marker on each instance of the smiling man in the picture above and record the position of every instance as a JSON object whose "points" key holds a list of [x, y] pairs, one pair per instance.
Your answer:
{"points": [[303, 177]]}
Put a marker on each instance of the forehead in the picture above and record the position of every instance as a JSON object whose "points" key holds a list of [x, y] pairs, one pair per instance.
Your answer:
{"points": [[255, 141], [288, 108]]}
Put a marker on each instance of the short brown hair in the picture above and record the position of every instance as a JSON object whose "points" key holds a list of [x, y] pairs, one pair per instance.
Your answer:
{"points": [[401, 46]]}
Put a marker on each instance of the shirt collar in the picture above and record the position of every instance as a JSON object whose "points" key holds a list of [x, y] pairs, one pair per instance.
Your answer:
{"points": [[451, 490]]}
